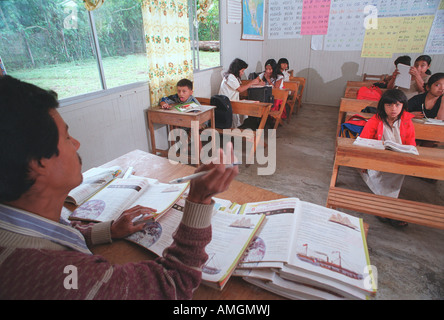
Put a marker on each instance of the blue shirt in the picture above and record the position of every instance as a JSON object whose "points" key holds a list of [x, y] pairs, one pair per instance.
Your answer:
{"points": [[25, 223]]}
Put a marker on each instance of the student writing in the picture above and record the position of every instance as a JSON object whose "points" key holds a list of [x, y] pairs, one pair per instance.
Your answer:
{"points": [[272, 75], [231, 86]]}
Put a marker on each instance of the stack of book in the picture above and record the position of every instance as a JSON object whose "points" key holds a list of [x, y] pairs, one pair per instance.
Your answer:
{"points": [[293, 248]]}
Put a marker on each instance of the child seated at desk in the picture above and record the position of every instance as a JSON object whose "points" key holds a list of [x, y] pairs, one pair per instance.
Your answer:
{"points": [[430, 103], [283, 66], [272, 75], [231, 86], [403, 60], [420, 76], [391, 122], [184, 95]]}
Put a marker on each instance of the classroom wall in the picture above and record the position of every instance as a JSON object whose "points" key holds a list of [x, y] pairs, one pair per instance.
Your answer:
{"points": [[108, 124], [326, 71]]}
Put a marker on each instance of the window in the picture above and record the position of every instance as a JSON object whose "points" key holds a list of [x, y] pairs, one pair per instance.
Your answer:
{"points": [[205, 33], [58, 44]]}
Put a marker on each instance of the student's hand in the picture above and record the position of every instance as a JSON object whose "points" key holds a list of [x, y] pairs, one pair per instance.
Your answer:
{"points": [[124, 225], [414, 72], [216, 181], [165, 106], [395, 73], [418, 114]]}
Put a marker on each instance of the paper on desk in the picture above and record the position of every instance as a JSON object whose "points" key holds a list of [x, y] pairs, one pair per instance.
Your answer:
{"points": [[403, 79]]}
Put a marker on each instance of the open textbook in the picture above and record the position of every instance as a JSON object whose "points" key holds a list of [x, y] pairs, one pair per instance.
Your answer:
{"points": [[307, 251], [231, 235], [388, 145], [117, 195], [299, 250], [93, 180], [187, 107]]}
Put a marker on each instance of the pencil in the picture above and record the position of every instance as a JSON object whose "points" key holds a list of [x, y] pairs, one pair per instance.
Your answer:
{"points": [[200, 174]]}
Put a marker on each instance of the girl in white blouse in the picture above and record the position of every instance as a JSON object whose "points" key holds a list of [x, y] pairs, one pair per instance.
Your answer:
{"points": [[231, 86]]}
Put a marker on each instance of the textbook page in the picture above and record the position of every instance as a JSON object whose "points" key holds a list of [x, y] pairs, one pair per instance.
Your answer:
{"points": [[111, 201], [122, 194], [93, 180], [403, 79], [369, 143], [273, 242], [231, 234], [331, 243]]}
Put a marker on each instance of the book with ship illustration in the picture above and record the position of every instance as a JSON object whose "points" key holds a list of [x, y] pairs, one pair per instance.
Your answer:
{"points": [[231, 235], [307, 251]]}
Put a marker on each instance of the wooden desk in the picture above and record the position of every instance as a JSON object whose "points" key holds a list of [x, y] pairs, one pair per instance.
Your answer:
{"points": [[172, 117], [259, 109], [428, 164], [152, 166]]}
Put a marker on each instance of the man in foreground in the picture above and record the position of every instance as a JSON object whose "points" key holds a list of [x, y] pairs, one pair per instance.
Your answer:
{"points": [[40, 166]]}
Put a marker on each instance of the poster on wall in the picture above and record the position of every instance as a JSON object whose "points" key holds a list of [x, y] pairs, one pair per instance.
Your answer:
{"points": [[315, 14], [284, 19], [435, 42], [253, 17]]}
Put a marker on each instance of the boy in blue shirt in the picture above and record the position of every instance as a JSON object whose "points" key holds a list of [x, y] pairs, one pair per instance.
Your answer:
{"points": [[184, 95]]}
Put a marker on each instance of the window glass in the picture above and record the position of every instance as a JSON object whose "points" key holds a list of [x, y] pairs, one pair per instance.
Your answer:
{"points": [[119, 28], [49, 43], [205, 33]]}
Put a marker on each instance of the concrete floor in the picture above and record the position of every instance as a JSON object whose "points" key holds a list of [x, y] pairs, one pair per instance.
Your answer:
{"points": [[409, 261]]}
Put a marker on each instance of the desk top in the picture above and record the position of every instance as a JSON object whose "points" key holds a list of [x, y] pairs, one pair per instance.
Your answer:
{"points": [[172, 110], [152, 166], [428, 164]]}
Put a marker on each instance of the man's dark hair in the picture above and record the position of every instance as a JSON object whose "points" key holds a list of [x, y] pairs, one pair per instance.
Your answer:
{"points": [[27, 132], [185, 83]]}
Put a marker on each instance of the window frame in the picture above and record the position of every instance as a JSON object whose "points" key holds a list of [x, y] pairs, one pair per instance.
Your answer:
{"points": [[194, 36]]}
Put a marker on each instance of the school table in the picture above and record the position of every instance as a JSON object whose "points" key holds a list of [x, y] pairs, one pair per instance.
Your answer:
{"points": [[428, 164], [172, 117]]}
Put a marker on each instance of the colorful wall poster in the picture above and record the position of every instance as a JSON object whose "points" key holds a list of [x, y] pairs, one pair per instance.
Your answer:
{"points": [[315, 14]]}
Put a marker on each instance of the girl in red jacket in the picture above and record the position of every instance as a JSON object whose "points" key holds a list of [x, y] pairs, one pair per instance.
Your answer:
{"points": [[392, 122]]}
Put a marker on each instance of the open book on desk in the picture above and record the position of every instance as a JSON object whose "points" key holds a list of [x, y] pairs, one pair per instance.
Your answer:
{"points": [[231, 235], [388, 145], [307, 251], [121, 194], [93, 180], [187, 107]]}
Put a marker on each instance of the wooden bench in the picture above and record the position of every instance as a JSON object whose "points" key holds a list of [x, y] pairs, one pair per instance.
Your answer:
{"points": [[302, 82], [428, 164], [349, 107], [252, 109], [293, 88]]}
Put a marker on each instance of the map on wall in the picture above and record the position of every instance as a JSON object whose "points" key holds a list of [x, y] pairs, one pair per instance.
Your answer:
{"points": [[253, 14]]}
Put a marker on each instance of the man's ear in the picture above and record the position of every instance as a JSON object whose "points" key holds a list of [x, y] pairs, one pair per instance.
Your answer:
{"points": [[38, 167]]}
